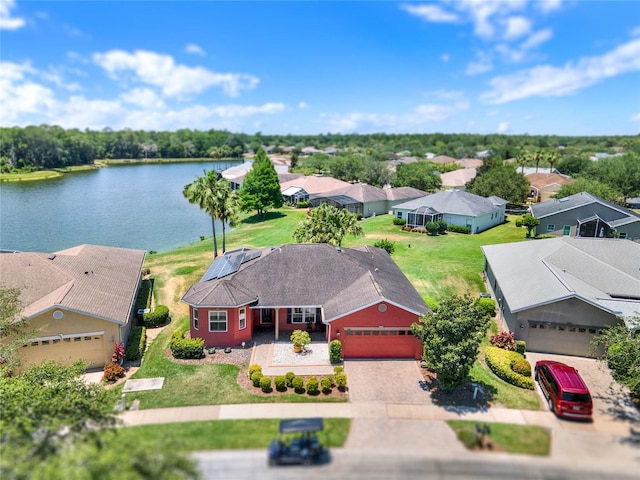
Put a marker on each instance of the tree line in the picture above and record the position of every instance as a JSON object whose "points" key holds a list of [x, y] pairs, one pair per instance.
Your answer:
{"points": [[50, 146]]}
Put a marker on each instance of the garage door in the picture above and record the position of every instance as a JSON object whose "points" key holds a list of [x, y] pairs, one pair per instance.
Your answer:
{"points": [[378, 343], [562, 339], [89, 347]]}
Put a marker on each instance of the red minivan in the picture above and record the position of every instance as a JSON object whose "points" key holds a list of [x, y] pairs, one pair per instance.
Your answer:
{"points": [[566, 392]]}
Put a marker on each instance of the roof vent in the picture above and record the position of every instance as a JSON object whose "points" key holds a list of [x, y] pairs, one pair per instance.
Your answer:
{"points": [[564, 199], [52, 256]]}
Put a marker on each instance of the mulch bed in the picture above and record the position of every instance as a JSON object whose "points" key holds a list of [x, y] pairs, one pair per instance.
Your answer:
{"points": [[241, 358]]}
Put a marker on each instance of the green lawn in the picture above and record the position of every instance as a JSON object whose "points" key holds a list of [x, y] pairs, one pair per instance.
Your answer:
{"points": [[508, 437], [436, 266], [43, 174], [228, 434]]}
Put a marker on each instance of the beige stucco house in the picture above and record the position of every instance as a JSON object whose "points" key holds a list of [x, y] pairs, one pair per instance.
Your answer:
{"points": [[80, 301]]}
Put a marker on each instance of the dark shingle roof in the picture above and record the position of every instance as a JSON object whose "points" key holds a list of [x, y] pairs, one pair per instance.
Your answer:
{"points": [[312, 275], [556, 205], [455, 202]]}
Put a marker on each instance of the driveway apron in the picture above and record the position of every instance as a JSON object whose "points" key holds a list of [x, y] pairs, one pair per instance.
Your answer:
{"points": [[386, 381]]}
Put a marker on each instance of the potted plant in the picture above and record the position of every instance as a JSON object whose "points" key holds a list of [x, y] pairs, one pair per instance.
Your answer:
{"points": [[300, 339]]}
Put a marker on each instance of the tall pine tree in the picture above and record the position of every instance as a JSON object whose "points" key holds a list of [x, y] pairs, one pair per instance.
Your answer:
{"points": [[260, 189]]}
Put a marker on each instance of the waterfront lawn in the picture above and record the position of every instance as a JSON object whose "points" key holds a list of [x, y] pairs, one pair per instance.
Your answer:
{"points": [[43, 174], [507, 437], [228, 434]]}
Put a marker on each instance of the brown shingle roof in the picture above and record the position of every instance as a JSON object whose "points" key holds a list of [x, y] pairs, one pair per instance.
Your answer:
{"points": [[312, 275], [313, 184], [95, 280], [541, 179]]}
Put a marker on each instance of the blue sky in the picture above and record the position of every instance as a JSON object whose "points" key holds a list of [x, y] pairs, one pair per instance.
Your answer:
{"points": [[467, 66]]}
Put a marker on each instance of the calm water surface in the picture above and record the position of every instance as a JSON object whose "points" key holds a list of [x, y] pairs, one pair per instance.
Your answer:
{"points": [[132, 206]]}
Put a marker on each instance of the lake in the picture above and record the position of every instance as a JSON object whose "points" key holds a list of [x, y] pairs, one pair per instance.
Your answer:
{"points": [[132, 206]]}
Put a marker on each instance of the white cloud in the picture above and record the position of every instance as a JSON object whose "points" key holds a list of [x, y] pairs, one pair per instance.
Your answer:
{"points": [[410, 121], [635, 32], [445, 57], [481, 64], [7, 22], [430, 13], [522, 51], [195, 49], [517, 27], [635, 117], [503, 127], [174, 80], [143, 97], [548, 5], [303, 105], [549, 81]]}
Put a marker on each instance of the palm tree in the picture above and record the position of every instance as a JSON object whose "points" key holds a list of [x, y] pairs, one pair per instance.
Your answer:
{"points": [[522, 158], [552, 158], [536, 156], [204, 192], [226, 207]]}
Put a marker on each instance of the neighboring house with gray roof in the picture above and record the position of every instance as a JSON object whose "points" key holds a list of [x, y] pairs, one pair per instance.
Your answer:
{"points": [[455, 207], [79, 301], [585, 215], [557, 293], [356, 295]]}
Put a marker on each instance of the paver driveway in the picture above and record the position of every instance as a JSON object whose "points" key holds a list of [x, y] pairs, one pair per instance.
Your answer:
{"points": [[388, 381]]}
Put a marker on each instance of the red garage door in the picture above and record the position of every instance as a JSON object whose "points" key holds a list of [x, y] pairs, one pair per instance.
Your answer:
{"points": [[379, 343]]}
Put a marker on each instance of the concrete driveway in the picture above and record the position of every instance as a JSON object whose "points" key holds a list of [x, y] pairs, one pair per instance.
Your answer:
{"points": [[610, 403], [386, 381]]}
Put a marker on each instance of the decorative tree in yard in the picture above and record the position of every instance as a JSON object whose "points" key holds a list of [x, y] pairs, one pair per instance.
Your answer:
{"points": [[530, 222], [451, 335], [14, 332], [261, 188], [327, 224]]}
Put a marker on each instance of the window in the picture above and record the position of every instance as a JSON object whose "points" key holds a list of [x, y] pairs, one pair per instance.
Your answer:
{"points": [[242, 320], [218, 321], [622, 235], [196, 325], [399, 214], [551, 227], [303, 315], [265, 316], [566, 230]]}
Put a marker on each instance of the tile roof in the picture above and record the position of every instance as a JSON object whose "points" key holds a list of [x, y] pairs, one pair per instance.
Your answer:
{"points": [[442, 159], [458, 178], [315, 184], [603, 272], [455, 202], [312, 275], [543, 179], [95, 280]]}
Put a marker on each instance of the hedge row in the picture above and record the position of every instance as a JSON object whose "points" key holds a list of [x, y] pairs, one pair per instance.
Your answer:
{"points": [[500, 361], [312, 386], [137, 343], [159, 316], [458, 229], [186, 348]]}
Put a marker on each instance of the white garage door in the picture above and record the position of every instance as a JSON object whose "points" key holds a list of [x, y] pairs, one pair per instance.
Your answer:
{"points": [[89, 347], [562, 339]]}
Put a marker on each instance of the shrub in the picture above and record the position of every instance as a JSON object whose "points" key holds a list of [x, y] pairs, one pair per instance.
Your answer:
{"points": [[137, 343], [521, 347], [442, 227], [118, 352], [313, 386], [458, 229], [212, 350], [326, 384], [144, 295], [112, 372], [432, 228], [341, 381], [521, 366], [338, 369], [504, 340], [186, 348], [255, 378], [298, 384], [303, 204], [499, 361], [290, 376], [488, 305], [518, 222], [281, 383], [254, 367], [335, 351], [265, 384], [399, 221], [159, 316], [388, 245]]}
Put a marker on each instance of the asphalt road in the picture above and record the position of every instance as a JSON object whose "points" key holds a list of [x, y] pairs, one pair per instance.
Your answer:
{"points": [[375, 465]]}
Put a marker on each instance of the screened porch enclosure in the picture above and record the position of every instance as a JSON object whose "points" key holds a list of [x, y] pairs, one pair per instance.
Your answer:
{"points": [[421, 216]]}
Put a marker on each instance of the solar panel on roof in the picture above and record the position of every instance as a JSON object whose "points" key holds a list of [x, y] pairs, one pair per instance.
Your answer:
{"points": [[232, 265], [214, 269], [251, 255], [229, 263]]}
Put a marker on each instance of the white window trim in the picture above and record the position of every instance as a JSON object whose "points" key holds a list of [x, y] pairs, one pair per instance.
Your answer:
{"points": [[242, 318], [564, 228], [196, 322], [226, 321], [307, 315], [551, 227]]}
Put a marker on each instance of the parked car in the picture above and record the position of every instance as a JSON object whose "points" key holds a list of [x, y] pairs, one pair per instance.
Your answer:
{"points": [[566, 392], [297, 442]]}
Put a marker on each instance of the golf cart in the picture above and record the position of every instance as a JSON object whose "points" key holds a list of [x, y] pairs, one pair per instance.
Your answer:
{"points": [[297, 442]]}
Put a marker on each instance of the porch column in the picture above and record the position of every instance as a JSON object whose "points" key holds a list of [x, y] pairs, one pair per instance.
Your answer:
{"points": [[277, 322]]}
